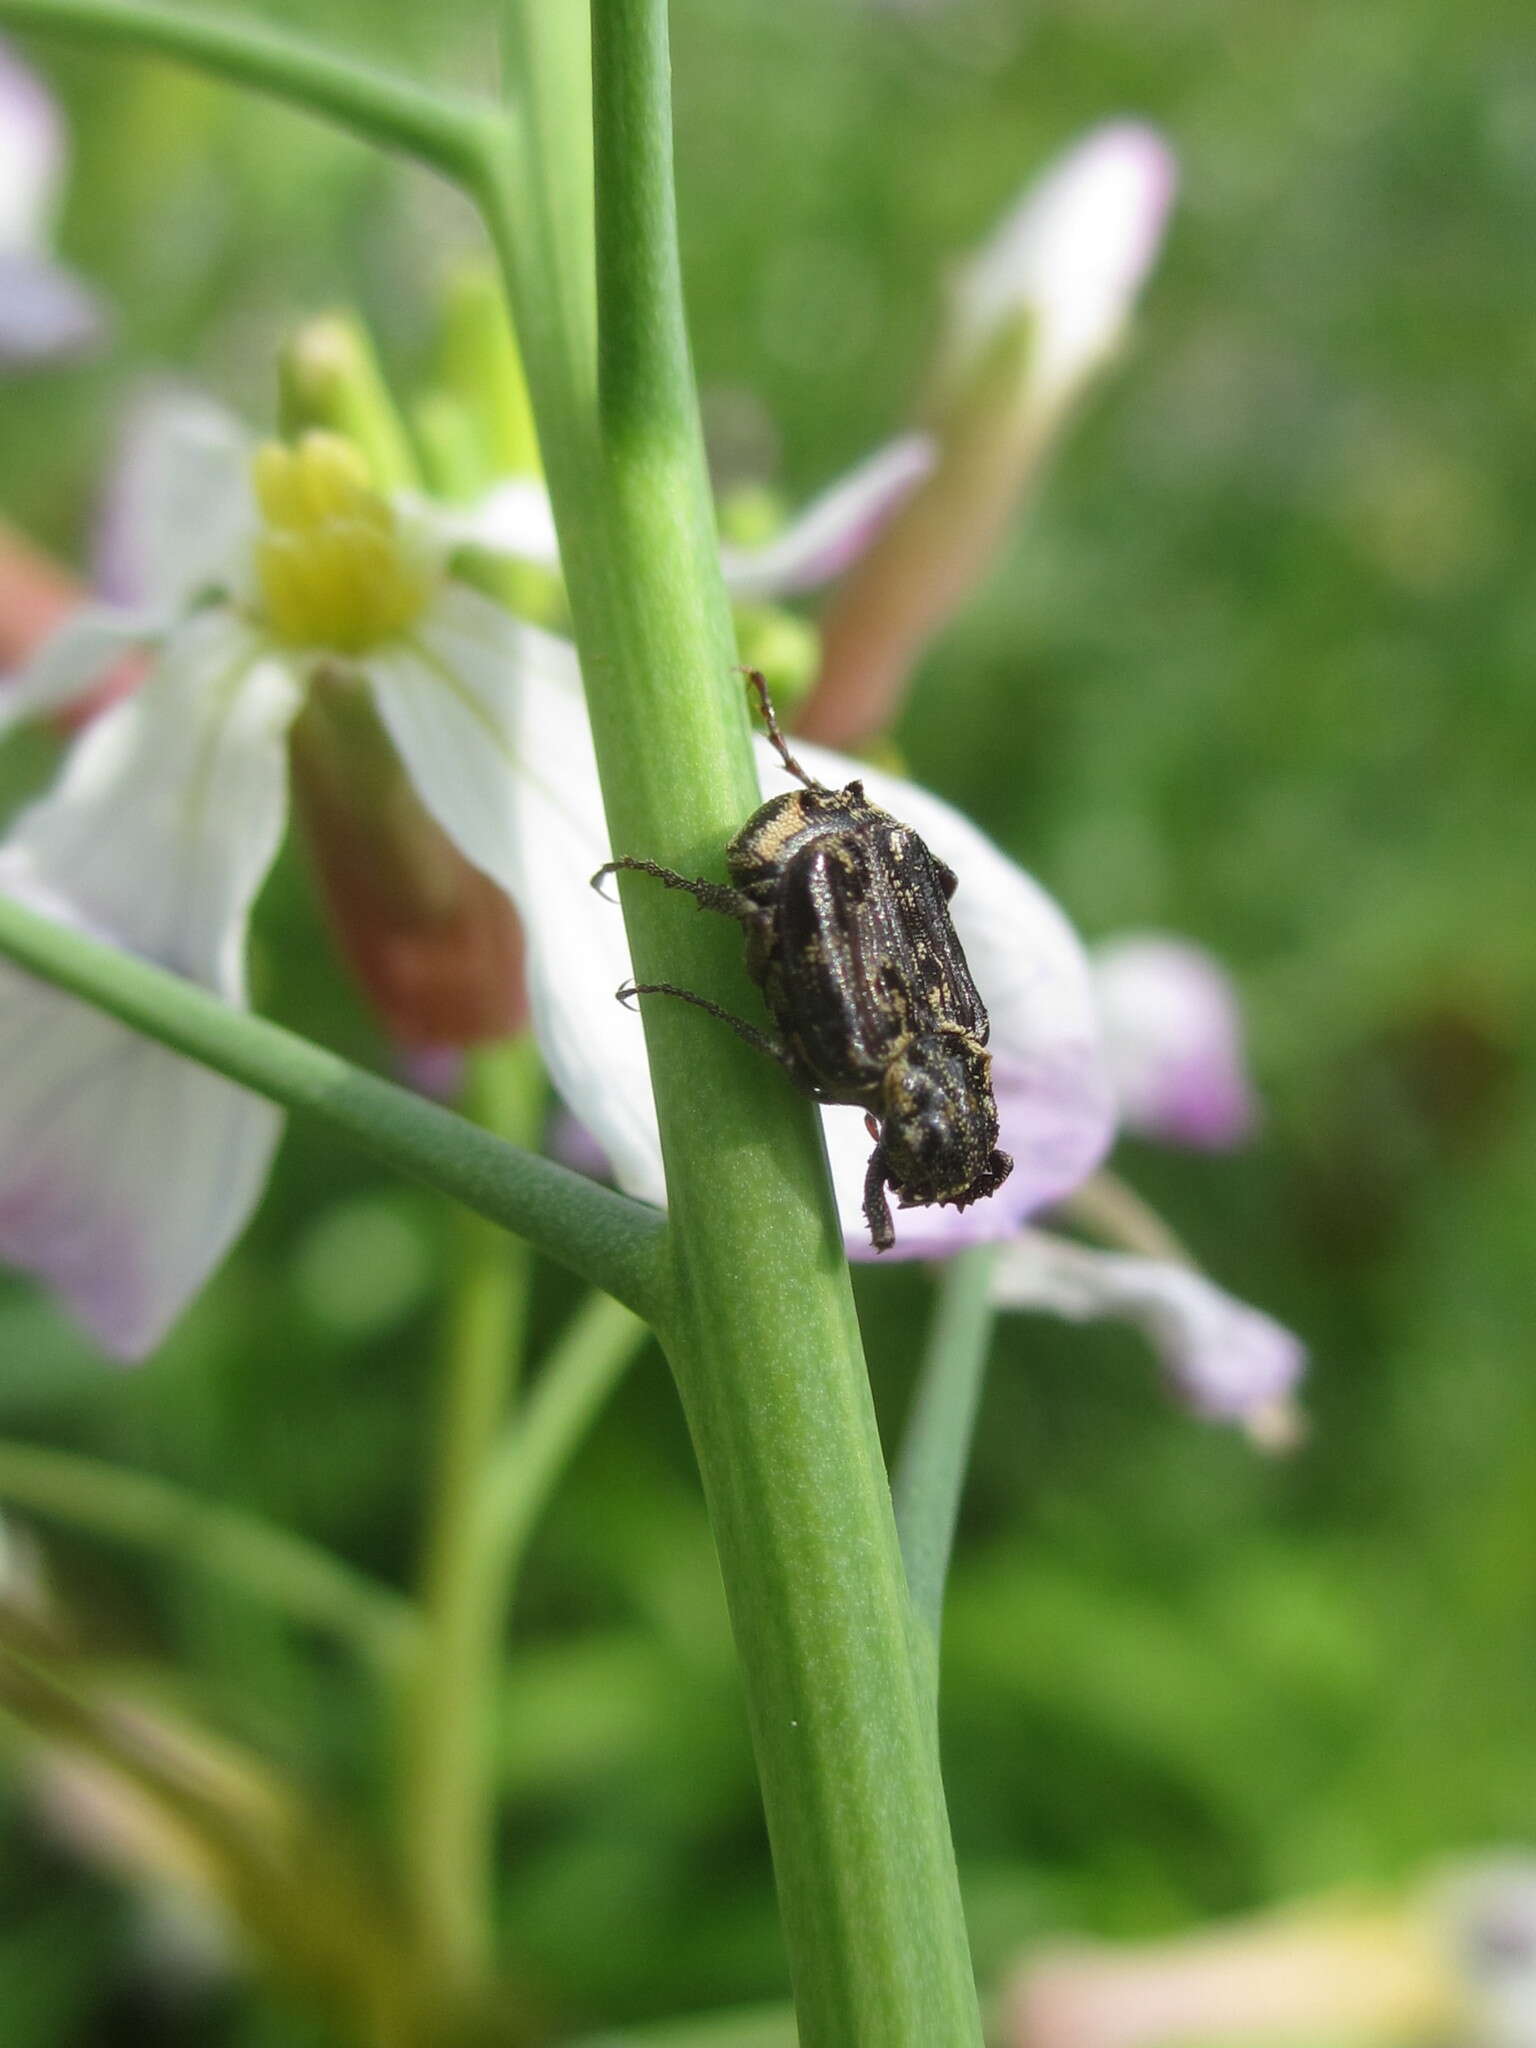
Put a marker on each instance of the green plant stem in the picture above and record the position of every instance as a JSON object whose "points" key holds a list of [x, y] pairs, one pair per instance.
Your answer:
{"points": [[435, 127], [760, 1329], [579, 1374], [300, 1580], [606, 1240], [936, 1445], [447, 1768]]}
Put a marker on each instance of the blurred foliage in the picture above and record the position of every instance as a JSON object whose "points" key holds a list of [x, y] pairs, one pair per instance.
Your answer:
{"points": [[1257, 668]]}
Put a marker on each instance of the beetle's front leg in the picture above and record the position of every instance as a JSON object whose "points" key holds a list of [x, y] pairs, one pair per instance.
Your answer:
{"points": [[877, 1210], [758, 1040], [708, 895]]}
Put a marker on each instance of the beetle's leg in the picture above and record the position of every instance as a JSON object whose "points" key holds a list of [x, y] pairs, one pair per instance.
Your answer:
{"points": [[708, 895], [877, 1210], [758, 1040], [776, 738]]}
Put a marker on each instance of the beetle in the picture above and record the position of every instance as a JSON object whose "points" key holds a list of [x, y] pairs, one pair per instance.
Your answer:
{"points": [[848, 936]]}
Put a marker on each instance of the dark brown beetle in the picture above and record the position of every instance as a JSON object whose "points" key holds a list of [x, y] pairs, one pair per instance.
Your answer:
{"points": [[849, 937]]}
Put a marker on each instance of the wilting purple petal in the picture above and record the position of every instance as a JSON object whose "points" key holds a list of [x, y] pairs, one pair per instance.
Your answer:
{"points": [[125, 1170], [1070, 258], [1173, 1037], [1223, 1360], [45, 311], [834, 529]]}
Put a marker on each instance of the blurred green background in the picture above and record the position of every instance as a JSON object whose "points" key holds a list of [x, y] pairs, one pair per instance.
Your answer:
{"points": [[1258, 668]]}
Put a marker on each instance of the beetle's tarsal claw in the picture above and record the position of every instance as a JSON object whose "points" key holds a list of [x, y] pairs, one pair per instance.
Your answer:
{"points": [[627, 995]]}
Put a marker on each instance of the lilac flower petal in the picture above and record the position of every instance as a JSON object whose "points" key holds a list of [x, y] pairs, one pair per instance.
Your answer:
{"points": [[835, 528], [1174, 1041], [1071, 257], [45, 311], [1223, 1360], [178, 515], [515, 518], [31, 157], [125, 1170]]}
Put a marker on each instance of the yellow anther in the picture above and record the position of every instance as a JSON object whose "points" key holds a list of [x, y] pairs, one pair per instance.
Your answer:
{"points": [[333, 568]]}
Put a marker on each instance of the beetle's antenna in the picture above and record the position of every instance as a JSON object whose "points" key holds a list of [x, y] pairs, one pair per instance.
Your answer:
{"points": [[776, 738]]}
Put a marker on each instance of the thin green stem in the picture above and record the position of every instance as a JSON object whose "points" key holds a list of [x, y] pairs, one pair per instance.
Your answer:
{"points": [[576, 1379], [447, 1775], [936, 1445], [307, 1584], [438, 128], [609, 1242]]}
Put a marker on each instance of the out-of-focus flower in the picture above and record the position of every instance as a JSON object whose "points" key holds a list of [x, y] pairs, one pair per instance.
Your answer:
{"points": [[1033, 317], [1173, 1037], [1054, 1101], [126, 1171], [1453, 1958], [45, 310], [1364, 1972], [1223, 1360]]}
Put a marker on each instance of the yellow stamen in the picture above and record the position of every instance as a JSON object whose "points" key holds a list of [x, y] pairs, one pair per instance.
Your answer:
{"points": [[334, 570]]}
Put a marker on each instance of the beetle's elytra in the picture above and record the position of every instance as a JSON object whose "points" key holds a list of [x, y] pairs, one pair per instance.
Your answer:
{"points": [[849, 937]]}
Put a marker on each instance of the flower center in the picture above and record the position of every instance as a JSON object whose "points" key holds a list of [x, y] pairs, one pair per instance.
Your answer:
{"points": [[334, 569]]}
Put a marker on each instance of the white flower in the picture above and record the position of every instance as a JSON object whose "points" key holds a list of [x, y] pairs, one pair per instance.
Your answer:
{"points": [[1224, 1360], [1173, 1036], [125, 1170], [1054, 1100], [44, 310]]}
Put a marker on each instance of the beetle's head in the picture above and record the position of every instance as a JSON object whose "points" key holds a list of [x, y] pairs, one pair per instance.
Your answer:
{"points": [[939, 1128]]}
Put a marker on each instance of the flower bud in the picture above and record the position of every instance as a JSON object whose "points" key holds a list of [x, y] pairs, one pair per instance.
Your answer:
{"points": [[1033, 316]]}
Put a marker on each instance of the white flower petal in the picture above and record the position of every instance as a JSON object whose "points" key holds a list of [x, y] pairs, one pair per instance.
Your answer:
{"points": [[1071, 256], [1224, 1360], [74, 661], [449, 694], [513, 519], [31, 157], [125, 1170], [835, 528], [178, 516], [1173, 1037], [45, 311]]}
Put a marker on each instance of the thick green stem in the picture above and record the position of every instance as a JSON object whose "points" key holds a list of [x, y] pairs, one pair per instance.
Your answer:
{"points": [[936, 1446], [299, 1579], [608, 1241], [447, 1775], [434, 127], [761, 1333]]}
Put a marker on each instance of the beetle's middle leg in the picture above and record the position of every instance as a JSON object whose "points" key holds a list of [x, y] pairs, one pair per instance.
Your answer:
{"points": [[758, 1040], [708, 895]]}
